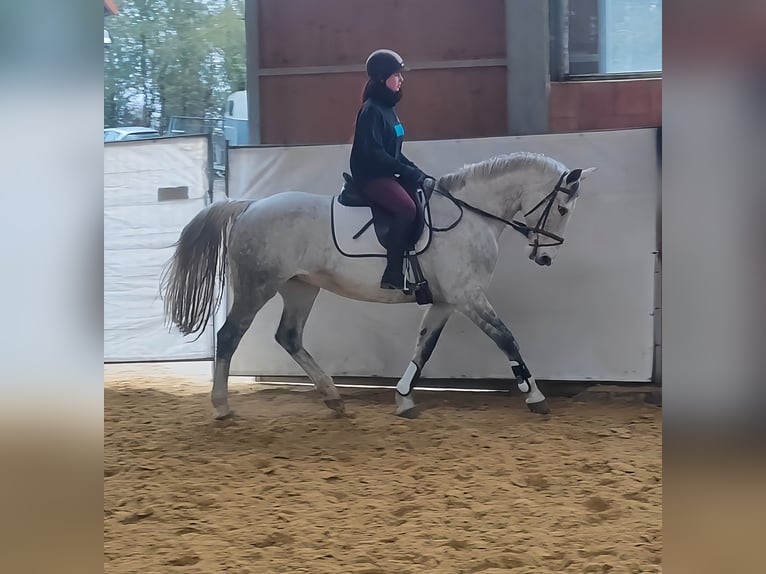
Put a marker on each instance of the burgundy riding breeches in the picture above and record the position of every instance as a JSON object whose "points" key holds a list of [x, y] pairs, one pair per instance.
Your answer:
{"points": [[387, 193]]}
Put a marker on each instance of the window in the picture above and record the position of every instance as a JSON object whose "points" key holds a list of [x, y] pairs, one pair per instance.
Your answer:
{"points": [[615, 37]]}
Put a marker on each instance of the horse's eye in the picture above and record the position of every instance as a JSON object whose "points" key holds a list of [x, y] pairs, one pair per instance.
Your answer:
{"points": [[563, 211]]}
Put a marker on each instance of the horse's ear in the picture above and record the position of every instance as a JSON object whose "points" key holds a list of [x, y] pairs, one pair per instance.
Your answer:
{"points": [[579, 174], [574, 175], [587, 172]]}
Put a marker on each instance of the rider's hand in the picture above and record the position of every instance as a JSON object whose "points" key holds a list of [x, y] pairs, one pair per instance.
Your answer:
{"points": [[424, 180]]}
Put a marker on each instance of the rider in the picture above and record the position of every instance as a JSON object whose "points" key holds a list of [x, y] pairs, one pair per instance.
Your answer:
{"points": [[380, 170]]}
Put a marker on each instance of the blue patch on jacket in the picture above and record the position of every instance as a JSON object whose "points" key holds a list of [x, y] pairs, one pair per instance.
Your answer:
{"points": [[399, 130]]}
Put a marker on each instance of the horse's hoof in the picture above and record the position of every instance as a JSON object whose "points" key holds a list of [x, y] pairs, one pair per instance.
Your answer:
{"points": [[224, 415], [411, 413], [540, 407], [336, 405]]}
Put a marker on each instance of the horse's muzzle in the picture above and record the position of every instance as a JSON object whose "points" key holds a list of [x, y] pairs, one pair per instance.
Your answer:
{"points": [[544, 260]]}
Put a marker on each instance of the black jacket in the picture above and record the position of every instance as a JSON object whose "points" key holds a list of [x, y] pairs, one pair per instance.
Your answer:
{"points": [[377, 148]]}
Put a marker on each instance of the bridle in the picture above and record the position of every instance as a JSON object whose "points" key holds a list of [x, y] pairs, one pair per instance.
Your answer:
{"points": [[538, 230]]}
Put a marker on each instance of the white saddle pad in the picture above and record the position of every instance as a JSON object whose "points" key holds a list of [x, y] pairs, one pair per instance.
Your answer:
{"points": [[346, 223]]}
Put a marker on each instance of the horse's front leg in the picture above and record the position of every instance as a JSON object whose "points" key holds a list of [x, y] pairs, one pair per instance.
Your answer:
{"points": [[479, 310], [431, 326]]}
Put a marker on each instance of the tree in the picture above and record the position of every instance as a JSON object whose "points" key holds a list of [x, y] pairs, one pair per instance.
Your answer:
{"points": [[172, 57]]}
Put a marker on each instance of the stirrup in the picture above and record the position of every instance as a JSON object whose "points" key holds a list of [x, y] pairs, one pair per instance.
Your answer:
{"points": [[404, 287], [423, 295]]}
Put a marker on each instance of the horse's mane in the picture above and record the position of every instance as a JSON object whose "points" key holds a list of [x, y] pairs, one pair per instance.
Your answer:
{"points": [[499, 166]]}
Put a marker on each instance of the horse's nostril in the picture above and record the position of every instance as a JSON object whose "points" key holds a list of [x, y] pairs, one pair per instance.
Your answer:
{"points": [[545, 260]]}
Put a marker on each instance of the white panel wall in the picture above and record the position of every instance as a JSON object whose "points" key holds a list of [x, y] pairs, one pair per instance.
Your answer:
{"points": [[588, 317], [139, 231]]}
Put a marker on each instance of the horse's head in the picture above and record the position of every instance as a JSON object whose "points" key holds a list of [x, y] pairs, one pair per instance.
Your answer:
{"points": [[547, 207]]}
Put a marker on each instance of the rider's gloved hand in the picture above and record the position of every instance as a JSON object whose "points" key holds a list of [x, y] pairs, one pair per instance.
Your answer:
{"points": [[426, 181]]}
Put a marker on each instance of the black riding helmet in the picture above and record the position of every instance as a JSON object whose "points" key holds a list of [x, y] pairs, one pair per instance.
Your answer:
{"points": [[382, 63]]}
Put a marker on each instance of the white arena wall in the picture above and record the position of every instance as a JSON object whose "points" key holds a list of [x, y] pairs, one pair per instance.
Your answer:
{"points": [[589, 317], [152, 189]]}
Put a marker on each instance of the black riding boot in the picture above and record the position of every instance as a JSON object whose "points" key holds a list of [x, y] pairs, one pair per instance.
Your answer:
{"points": [[393, 276]]}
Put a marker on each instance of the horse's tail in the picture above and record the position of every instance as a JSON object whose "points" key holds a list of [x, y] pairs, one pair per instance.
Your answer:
{"points": [[188, 280]]}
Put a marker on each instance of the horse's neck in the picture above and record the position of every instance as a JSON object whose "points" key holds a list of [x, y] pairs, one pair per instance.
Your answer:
{"points": [[500, 197]]}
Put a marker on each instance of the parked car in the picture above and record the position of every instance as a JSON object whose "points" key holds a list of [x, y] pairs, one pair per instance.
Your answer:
{"points": [[129, 133]]}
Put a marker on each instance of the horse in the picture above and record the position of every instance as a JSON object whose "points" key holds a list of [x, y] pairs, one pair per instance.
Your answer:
{"points": [[283, 244]]}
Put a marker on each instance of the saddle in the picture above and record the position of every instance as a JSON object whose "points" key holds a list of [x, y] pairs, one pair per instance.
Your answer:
{"points": [[381, 220], [350, 196]]}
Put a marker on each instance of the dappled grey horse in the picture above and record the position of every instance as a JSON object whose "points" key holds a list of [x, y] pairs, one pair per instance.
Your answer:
{"points": [[283, 244]]}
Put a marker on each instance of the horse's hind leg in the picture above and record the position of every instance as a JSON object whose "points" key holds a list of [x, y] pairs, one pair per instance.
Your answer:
{"points": [[246, 305], [431, 326], [298, 299], [479, 310]]}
